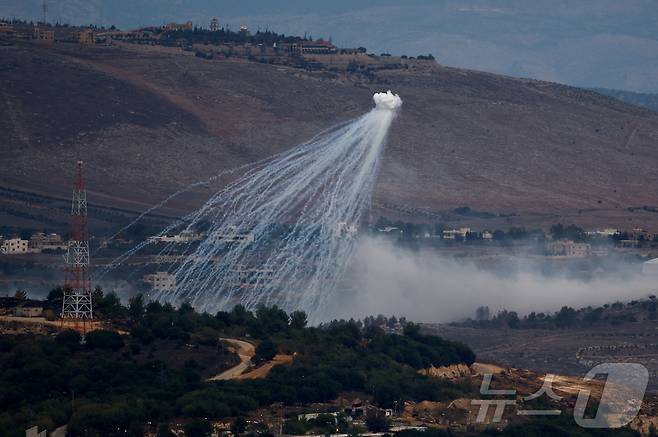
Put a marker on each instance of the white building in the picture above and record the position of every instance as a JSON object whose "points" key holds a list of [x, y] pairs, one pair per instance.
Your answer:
{"points": [[486, 235], [607, 232], [185, 236], [41, 241], [568, 248], [161, 281], [452, 234], [344, 229], [14, 245]]}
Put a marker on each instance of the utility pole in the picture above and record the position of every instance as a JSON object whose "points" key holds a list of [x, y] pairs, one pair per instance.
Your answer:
{"points": [[77, 305], [44, 7]]}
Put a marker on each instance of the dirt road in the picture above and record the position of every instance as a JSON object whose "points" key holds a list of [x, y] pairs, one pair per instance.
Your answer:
{"points": [[245, 351]]}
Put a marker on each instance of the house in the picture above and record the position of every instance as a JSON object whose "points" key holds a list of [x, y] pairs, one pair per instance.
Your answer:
{"points": [[607, 232], [29, 309], [312, 416], [51, 242], [186, 236], [7, 30], [343, 229], [454, 234], [14, 246], [319, 47], [568, 248], [176, 27], [161, 281], [487, 235], [44, 34], [390, 230], [84, 36]]}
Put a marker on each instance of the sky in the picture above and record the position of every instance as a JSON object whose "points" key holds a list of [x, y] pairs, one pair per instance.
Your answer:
{"points": [[590, 43]]}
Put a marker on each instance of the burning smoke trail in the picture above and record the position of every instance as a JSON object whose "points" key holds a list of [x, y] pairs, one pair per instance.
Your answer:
{"points": [[281, 234]]}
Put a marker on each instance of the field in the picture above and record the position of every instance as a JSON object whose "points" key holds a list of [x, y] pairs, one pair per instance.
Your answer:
{"points": [[563, 351]]}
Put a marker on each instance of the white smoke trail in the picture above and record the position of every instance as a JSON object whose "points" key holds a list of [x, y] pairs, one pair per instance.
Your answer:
{"points": [[280, 234]]}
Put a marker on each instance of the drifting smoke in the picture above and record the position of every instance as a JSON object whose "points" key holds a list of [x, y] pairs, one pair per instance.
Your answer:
{"points": [[427, 287], [280, 234]]}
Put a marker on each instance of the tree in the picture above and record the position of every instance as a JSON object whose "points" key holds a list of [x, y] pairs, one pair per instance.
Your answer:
{"points": [[513, 320], [136, 307], [102, 339], [69, 338], [482, 313], [411, 330], [239, 426], [55, 294], [377, 423], [266, 350], [566, 317], [198, 428], [298, 320]]}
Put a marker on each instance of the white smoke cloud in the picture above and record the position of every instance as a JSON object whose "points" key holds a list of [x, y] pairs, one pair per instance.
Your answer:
{"points": [[426, 287], [387, 100]]}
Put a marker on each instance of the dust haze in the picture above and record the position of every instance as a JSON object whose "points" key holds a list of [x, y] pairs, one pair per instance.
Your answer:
{"points": [[427, 287]]}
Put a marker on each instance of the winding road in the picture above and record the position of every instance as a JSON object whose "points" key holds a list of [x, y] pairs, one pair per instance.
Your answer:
{"points": [[245, 351]]}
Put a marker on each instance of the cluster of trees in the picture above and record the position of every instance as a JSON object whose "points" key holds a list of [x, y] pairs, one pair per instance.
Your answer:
{"points": [[226, 36], [104, 385], [608, 314]]}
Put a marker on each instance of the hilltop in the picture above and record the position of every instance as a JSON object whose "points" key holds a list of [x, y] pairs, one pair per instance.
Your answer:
{"points": [[150, 120]]}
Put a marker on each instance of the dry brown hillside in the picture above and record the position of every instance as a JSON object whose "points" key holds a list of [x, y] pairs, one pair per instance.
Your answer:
{"points": [[149, 121]]}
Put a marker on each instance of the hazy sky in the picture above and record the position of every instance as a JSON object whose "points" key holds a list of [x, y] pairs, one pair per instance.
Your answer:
{"points": [[597, 43]]}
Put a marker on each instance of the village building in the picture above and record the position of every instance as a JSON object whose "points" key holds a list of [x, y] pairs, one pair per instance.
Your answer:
{"points": [[161, 281], [29, 309], [319, 47], [84, 36], [185, 236], [214, 25], [569, 248], [14, 246], [44, 34], [176, 27], [343, 229], [7, 30], [46, 242], [453, 234]]}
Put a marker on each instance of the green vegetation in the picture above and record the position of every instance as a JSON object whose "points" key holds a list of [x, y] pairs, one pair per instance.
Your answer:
{"points": [[112, 384], [606, 315]]}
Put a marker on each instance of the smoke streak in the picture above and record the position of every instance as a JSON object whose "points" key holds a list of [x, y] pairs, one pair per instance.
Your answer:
{"points": [[280, 233]]}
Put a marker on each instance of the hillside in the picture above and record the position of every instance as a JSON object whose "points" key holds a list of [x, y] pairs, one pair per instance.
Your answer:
{"points": [[148, 121], [645, 100]]}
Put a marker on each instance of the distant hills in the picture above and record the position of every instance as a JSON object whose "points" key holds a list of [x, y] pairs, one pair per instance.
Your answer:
{"points": [[649, 101]]}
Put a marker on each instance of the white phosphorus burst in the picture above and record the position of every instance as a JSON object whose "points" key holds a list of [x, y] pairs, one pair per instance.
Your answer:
{"points": [[280, 234]]}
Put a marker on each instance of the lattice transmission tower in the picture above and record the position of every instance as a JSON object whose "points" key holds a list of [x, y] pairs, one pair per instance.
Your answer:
{"points": [[76, 305]]}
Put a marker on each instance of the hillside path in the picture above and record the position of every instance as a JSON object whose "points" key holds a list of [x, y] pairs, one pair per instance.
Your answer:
{"points": [[245, 351]]}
